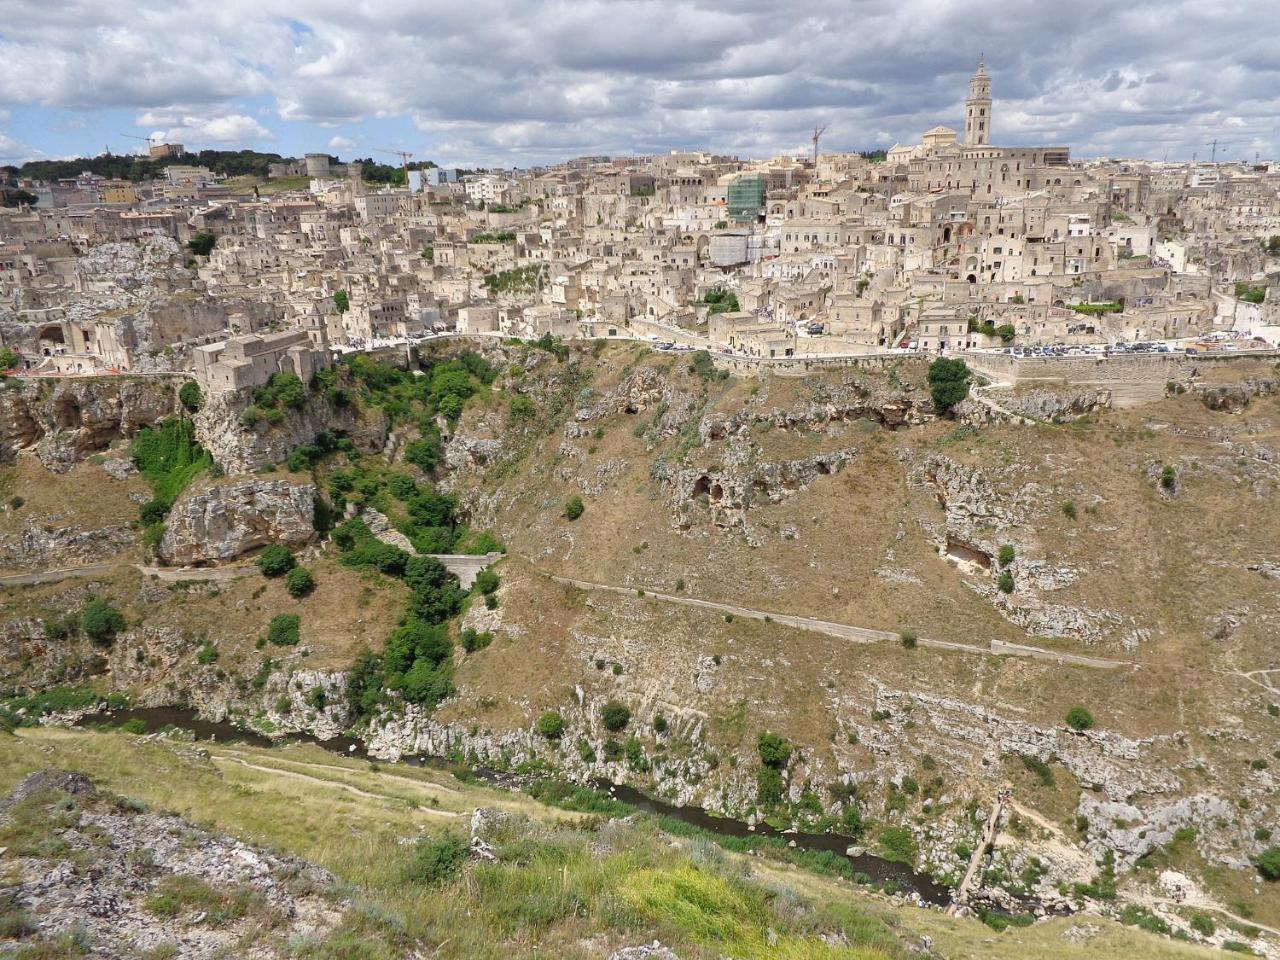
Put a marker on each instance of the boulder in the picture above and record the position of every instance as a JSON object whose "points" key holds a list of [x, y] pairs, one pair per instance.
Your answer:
{"points": [[221, 523]]}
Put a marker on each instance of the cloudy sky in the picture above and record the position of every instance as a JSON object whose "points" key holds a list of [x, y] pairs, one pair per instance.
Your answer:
{"points": [[519, 82]]}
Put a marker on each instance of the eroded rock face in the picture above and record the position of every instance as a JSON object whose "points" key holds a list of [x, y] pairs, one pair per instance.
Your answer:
{"points": [[730, 490], [239, 449], [65, 421], [647, 392], [221, 523], [1234, 397], [1056, 406]]}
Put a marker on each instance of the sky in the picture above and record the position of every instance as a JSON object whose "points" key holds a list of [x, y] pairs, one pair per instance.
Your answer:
{"points": [[527, 82]]}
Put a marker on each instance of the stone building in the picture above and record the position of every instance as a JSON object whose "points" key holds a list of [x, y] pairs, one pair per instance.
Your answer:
{"points": [[250, 361]]}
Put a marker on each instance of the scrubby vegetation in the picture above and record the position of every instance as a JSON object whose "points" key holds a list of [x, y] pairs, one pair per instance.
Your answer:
{"points": [[275, 561], [169, 458]]}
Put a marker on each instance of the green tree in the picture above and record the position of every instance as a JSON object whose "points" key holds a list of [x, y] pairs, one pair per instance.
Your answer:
{"points": [[341, 302], [189, 396], [1006, 555], [551, 725], [100, 620], [774, 750], [1078, 718], [615, 716], [948, 383], [201, 244], [299, 582], [1005, 581], [9, 360], [573, 507], [275, 561]]}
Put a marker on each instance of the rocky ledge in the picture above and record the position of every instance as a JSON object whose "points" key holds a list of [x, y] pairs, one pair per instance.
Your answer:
{"points": [[100, 871]]}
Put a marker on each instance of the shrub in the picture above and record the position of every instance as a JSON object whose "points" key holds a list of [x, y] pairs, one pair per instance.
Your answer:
{"points": [[471, 641], [299, 582], [201, 244], [134, 725], [573, 507], [522, 408], [909, 639], [659, 723], [153, 511], [1078, 718], [436, 862], [612, 751], [1042, 771], [899, 844], [769, 786], [189, 396], [275, 561], [1268, 863], [1168, 477], [615, 716], [774, 751], [283, 630], [1005, 581], [1006, 555], [486, 582], [207, 654], [1069, 509], [551, 725], [1203, 924], [1136, 916], [948, 383], [634, 753], [100, 620]]}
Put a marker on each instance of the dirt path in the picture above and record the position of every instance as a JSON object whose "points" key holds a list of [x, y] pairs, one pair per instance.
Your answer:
{"points": [[856, 634], [53, 576], [381, 775], [337, 784], [165, 574]]}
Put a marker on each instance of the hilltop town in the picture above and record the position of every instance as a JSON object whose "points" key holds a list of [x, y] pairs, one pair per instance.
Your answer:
{"points": [[947, 245], [775, 539]]}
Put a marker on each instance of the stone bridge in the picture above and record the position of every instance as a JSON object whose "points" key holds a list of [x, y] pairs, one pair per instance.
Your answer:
{"points": [[466, 566]]}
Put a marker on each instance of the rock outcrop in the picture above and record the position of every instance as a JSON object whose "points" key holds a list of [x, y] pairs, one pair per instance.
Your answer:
{"points": [[64, 421], [137, 858], [222, 522], [1234, 397], [241, 449]]}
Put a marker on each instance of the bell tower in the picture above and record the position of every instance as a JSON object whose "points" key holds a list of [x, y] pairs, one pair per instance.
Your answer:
{"points": [[977, 109]]}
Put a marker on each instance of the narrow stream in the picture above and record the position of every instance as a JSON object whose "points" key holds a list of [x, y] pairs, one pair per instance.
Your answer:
{"points": [[880, 871]]}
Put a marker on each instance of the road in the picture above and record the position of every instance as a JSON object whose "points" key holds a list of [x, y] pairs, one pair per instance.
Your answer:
{"points": [[856, 634], [166, 574], [845, 631]]}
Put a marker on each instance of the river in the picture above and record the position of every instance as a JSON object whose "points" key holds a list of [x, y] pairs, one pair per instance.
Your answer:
{"points": [[879, 870]]}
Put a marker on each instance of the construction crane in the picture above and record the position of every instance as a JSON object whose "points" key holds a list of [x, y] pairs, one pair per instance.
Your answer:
{"points": [[817, 135], [404, 161], [1215, 143], [149, 141]]}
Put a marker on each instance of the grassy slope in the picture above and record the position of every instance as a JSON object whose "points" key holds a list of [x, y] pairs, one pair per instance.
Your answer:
{"points": [[580, 890]]}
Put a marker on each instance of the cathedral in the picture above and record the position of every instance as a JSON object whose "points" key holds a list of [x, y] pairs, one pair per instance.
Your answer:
{"points": [[941, 162]]}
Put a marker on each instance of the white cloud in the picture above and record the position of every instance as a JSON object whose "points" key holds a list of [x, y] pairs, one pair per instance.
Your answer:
{"points": [[342, 143], [527, 80], [176, 126]]}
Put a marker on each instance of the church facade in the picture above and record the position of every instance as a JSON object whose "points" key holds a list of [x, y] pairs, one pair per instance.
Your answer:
{"points": [[941, 162]]}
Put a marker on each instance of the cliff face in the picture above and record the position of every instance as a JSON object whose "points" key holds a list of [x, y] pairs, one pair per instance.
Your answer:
{"points": [[221, 523], [239, 449], [65, 421]]}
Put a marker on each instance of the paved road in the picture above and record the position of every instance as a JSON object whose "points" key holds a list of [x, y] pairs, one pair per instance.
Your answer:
{"points": [[858, 634]]}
